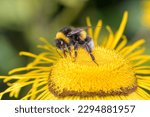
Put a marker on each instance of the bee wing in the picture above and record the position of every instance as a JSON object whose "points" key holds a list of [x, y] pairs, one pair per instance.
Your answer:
{"points": [[75, 31]]}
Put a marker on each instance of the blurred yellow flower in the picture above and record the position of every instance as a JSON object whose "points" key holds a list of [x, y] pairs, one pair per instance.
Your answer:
{"points": [[146, 13], [120, 74]]}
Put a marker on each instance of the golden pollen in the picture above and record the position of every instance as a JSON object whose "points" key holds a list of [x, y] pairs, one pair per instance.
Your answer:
{"points": [[113, 76]]}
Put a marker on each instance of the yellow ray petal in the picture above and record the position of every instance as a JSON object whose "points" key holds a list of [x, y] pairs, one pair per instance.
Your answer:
{"points": [[146, 80], [134, 96], [45, 93], [142, 77], [140, 62], [27, 54], [90, 30], [20, 69], [136, 53], [97, 31], [125, 49], [144, 85], [143, 71], [45, 47], [47, 43], [142, 67], [140, 57], [35, 56], [10, 89], [110, 37], [28, 96], [133, 46], [104, 42], [120, 30], [122, 44], [143, 93]]}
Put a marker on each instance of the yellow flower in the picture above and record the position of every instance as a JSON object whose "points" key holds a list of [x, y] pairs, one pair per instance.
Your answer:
{"points": [[120, 74], [146, 13]]}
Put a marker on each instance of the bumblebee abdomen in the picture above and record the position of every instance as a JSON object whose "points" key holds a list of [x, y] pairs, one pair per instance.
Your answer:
{"points": [[62, 36]]}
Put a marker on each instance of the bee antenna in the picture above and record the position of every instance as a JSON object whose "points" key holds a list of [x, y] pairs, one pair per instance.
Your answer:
{"points": [[96, 63]]}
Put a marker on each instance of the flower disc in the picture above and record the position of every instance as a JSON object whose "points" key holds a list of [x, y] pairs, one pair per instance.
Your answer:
{"points": [[113, 75]]}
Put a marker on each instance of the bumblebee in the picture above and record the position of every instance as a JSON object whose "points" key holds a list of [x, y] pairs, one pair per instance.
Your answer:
{"points": [[76, 37]]}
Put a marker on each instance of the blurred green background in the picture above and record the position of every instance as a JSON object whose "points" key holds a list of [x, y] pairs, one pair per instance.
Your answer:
{"points": [[22, 22]]}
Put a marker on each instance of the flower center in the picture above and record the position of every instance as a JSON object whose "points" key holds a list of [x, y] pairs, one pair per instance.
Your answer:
{"points": [[114, 75]]}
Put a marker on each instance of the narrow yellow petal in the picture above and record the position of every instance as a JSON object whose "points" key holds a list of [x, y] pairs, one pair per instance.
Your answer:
{"points": [[42, 94], [27, 54], [110, 38], [15, 93], [125, 49], [28, 96], [146, 57], [146, 80], [44, 97], [26, 69], [143, 93], [47, 43], [97, 32], [3, 77], [142, 67], [134, 96], [144, 85], [136, 53], [9, 78], [1, 95], [134, 46], [48, 46], [143, 71], [38, 57], [18, 70], [34, 89], [90, 30], [122, 44], [104, 42], [44, 47], [9, 89], [120, 30], [140, 62]]}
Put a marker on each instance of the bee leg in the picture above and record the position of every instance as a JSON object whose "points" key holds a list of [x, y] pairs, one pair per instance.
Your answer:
{"points": [[65, 55], [93, 59], [90, 52], [75, 51], [64, 52], [69, 50], [59, 53]]}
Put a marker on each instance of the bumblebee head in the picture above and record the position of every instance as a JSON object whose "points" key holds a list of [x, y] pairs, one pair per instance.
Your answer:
{"points": [[61, 37]]}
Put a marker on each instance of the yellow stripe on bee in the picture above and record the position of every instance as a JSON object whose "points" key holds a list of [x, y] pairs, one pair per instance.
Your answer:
{"points": [[60, 35], [83, 35]]}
